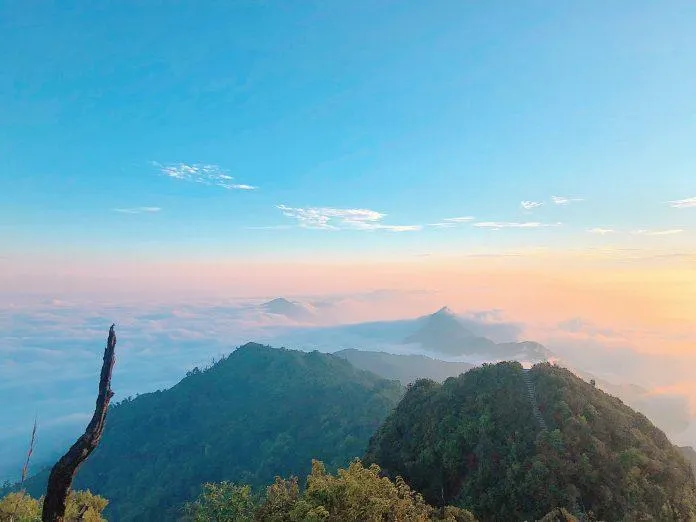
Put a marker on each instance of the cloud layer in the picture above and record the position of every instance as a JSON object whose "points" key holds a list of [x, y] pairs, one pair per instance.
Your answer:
{"points": [[637, 232], [683, 203], [452, 222], [206, 174], [51, 351], [530, 205], [601, 231], [497, 225], [328, 218], [563, 200], [137, 210], [657, 232]]}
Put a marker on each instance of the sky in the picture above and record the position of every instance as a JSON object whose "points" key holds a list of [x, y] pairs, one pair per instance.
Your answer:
{"points": [[532, 157], [344, 131]]}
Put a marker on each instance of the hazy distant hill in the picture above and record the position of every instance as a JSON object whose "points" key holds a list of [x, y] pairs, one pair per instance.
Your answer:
{"points": [[258, 413], [690, 455], [511, 445], [404, 368], [288, 309], [442, 334]]}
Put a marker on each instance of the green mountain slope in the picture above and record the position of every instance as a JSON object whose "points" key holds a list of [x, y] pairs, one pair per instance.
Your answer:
{"points": [[404, 368], [259, 413], [479, 441], [690, 455]]}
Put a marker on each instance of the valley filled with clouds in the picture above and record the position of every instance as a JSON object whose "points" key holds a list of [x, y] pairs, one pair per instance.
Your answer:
{"points": [[50, 352]]}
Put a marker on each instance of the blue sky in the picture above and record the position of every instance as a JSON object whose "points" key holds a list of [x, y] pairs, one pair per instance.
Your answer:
{"points": [[419, 111]]}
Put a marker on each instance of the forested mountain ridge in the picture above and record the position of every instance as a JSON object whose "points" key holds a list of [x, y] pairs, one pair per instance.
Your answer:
{"points": [[690, 455], [474, 442], [404, 368], [501, 442], [258, 413]]}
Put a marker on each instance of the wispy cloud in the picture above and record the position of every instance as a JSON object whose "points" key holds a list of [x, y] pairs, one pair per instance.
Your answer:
{"points": [[683, 203], [530, 205], [203, 173], [462, 219], [601, 231], [269, 227], [327, 218], [563, 200], [452, 222], [638, 232], [137, 210], [663, 232], [497, 225]]}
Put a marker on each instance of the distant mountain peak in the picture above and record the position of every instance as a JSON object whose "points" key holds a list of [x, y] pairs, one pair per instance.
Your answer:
{"points": [[446, 318], [278, 301], [443, 332], [289, 309]]}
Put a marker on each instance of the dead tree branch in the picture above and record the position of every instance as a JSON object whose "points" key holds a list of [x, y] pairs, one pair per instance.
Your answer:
{"points": [[64, 470], [25, 469]]}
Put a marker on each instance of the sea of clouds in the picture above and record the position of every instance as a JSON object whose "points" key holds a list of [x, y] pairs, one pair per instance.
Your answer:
{"points": [[51, 351]]}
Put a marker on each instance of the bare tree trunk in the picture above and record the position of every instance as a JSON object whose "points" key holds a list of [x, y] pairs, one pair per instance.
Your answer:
{"points": [[25, 470], [64, 470]]}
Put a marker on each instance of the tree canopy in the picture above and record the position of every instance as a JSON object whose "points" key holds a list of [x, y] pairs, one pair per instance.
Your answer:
{"points": [[354, 494], [81, 505], [258, 413], [474, 441]]}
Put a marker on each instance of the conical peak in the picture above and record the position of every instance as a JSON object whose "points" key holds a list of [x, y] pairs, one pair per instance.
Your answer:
{"points": [[279, 300]]}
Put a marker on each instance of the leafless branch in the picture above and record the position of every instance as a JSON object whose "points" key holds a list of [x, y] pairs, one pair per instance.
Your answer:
{"points": [[64, 470], [25, 469]]}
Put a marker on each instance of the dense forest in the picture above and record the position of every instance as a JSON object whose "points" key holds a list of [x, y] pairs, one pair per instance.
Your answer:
{"points": [[80, 506], [496, 443], [258, 413], [476, 442], [690, 455], [354, 494]]}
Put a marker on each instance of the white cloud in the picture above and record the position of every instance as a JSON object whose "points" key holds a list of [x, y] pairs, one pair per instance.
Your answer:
{"points": [[442, 225], [683, 203], [601, 231], [562, 200], [529, 205], [497, 225], [137, 210], [462, 219], [269, 227], [205, 174], [327, 218], [664, 232], [452, 222]]}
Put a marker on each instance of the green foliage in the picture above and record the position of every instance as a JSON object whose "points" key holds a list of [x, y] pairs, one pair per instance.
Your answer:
{"points": [[281, 497], [223, 501], [258, 413], [81, 505], [358, 494], [559, 515], [690, 455], [473, 441], [19, 507], [354, 494], [84, 505]]}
